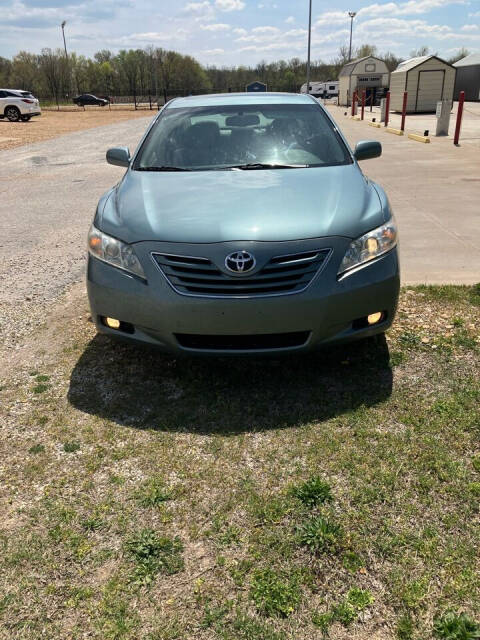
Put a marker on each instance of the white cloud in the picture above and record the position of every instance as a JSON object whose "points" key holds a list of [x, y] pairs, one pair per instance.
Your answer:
{"points": [[470, 27], [240, 32], [214, 52], [229, 5], [220, 26], [474, 15], [412, 7], [290, 20], [197, 7], [265, 30]]}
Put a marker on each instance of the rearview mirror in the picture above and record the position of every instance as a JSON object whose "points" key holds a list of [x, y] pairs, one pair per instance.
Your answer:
{"points": [[367, 149], [119, 156]]}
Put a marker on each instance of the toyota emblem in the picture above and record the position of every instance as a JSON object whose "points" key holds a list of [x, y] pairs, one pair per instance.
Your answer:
{"points": [[240, 262]]}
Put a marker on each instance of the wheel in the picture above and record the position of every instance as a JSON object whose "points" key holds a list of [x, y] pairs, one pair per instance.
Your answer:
{"points": [[25, 118], [13, 114]]}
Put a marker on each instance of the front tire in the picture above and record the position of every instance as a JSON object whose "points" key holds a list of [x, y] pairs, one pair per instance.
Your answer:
{"points": [[12, 114]]}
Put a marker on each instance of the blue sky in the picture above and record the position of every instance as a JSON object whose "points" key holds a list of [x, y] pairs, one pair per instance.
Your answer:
{"points": [[233, 32]]}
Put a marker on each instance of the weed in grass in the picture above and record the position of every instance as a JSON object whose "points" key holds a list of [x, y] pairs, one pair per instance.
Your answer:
{"points": [[405, 628], [245, 627], [269, 509], [153, 554], [396, 358], [451, 626], [71, 447], [214, 614], [40, 388], [153, 492], [41, 378], [238, 572], [37, 448], [409, 339], [352, 562], [275, 593], [320, 534], [356, 601], [313, 492], [323, 621], [457, 321], [414, 592], [117, 618], [231, 535], [33, 373], [476, 463], [42, 420], [474, 488], [93, 523]]}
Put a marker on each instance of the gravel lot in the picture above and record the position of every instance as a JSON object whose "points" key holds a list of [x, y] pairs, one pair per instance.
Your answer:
{"points": [[52, 124], [49, 191]]}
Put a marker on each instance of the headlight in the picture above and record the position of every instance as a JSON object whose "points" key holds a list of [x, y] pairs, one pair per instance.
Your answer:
{"points": [[114, 252], [370, 246]]}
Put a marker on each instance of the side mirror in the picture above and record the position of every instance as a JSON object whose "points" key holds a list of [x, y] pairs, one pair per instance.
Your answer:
{"points": [[367, 149], [119, 156]]}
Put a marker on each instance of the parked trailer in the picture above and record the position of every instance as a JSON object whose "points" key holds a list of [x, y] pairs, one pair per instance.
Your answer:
{"points": [[322, 89]]}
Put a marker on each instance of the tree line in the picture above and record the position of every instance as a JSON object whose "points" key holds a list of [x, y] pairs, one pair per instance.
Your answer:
{"points": [[160, 73]]}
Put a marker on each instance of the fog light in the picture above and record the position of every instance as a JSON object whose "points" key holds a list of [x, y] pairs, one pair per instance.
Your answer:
{"points": [[374, 318], [113, 323]]}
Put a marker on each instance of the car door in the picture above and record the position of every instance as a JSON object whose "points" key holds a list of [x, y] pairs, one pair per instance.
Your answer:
{"points": [[3, 95]]}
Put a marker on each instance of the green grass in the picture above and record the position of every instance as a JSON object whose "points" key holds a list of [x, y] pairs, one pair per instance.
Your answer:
{"points": [[250, 499]]}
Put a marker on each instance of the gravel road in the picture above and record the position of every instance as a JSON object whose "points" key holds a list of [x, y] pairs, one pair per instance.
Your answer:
{"points": [[49, 191]]}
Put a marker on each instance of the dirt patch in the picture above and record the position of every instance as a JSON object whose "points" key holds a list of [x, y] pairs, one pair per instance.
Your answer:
{"points": [[53, 123]]}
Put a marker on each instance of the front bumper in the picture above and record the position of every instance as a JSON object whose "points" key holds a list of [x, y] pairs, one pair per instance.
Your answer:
{"points": [[324, 313]]}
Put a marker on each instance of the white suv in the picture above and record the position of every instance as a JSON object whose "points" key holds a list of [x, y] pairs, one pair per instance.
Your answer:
{"points": [[18, 105]]}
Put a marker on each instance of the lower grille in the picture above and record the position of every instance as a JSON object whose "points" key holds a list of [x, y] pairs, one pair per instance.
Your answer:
{"points": [[199, 276], [243, 343]]}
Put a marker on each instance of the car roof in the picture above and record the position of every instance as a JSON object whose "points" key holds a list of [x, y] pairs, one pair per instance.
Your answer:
{"points": [[234, 99]]}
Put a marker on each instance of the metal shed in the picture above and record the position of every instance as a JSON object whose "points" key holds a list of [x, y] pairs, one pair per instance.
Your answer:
{"points": [[370, 74], [468, 77], [427, 80]]}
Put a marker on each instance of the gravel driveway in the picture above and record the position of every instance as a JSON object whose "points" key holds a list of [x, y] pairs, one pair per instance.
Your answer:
{"points": [[48, 192]]}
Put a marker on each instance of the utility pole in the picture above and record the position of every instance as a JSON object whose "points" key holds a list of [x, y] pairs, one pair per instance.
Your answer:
{"points": [[352, 15], [309, 41]]}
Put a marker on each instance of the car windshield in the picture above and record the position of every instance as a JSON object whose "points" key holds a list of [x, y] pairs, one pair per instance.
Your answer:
{"points": [[242, 136]]}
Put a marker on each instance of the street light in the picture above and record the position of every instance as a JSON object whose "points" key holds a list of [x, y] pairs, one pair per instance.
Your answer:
{"points": [[63, 33], [309, 41], [352, 14], [66, 54]]}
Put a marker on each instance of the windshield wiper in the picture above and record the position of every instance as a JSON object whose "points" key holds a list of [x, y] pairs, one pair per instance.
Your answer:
{"points": [[262, 165], [162, 168]]}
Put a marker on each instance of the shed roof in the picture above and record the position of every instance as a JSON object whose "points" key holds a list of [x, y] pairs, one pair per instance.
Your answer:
{"points": [[468, 61], [350, 66], [406, 65]]}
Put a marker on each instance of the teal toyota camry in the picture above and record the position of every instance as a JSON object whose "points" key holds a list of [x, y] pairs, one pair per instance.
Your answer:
{"points": [[243, 224]]}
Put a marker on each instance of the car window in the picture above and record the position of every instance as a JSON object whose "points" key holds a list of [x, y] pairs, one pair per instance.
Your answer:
{"points": [[3, 94], [218, 137]]}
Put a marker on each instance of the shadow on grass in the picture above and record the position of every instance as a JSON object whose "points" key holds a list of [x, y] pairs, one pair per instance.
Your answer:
{"points": [[148, 390]]}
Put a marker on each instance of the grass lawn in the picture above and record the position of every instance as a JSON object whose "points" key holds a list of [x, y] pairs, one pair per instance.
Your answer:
{"points": [[335, 495]]}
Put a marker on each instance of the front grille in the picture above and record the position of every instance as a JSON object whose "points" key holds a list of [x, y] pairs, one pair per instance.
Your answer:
{"points": [[243, 343], [198, 276]]}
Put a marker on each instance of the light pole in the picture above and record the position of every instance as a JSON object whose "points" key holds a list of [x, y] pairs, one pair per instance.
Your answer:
{"points": [[63, 34], [352, 14], [66, 55], [309, 41]]}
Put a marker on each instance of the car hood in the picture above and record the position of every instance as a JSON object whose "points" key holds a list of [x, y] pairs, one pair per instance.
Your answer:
{"points": [[261, 205]]}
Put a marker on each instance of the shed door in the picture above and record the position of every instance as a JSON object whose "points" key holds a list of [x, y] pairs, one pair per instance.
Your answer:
{"points": [[430, 89]]}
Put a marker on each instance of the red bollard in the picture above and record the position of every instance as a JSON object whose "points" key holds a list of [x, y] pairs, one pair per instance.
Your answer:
{"points": [[404, 110], [387, 108], [461, 100], [363, 103], [354, 100]]}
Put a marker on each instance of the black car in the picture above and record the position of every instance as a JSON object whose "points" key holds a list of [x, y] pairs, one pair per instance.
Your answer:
{"points": [[90, 99]]}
